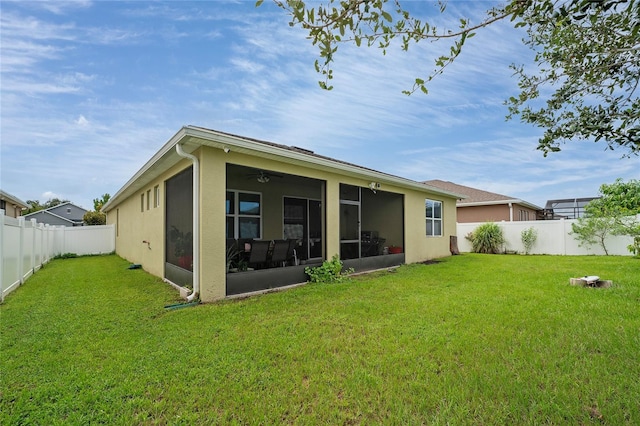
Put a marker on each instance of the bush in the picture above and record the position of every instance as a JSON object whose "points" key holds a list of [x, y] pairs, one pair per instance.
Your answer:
{"points": [[94, 218], [487, 238], [528, 237], [65, 256], [329, 272]]}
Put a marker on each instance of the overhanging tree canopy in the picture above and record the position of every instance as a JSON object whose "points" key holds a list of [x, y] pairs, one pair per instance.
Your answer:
{"points": [[587, 55]]}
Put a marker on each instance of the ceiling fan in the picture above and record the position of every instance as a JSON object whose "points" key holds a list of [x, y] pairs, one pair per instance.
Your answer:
{"points": [[262, 176]]}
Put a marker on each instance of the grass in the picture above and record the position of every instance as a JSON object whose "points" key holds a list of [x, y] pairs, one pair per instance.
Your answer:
{"points": [[473, 339]]}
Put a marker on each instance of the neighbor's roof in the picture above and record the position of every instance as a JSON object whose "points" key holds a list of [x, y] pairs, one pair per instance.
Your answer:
{"points": [[49, 211], [12, 199], [478, 197], [193, 137]]}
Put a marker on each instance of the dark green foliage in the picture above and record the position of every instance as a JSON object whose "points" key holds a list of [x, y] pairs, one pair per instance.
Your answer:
{"points": [[99, 202], [329, 272], [66, 256], [35, 206], [615, 212], [94, 218], [488, 238], [587, 59]]}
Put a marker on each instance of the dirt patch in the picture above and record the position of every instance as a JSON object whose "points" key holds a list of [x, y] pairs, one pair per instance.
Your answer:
{"points": [[430, 262]]}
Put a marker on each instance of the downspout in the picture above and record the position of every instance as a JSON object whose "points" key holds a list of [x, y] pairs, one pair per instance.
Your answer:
{"points": [[510, 212], [196, 221]]}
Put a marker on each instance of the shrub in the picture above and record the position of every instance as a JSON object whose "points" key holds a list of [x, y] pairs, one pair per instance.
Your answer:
{"points": [[528, 237], [487, 238], [329, 272], [94, 218], [65, 256]]}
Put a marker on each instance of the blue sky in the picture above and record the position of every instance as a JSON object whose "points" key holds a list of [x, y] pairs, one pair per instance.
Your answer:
{"points": [[90, 90]]}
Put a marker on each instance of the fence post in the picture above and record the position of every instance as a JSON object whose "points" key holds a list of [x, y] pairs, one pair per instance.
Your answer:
{"points": [[21, 250], [33, 246], [47, 229], [1, 254], [41, 245]]}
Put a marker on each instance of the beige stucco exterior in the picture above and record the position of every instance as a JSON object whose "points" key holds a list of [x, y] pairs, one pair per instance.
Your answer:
{"points": [[140, 231], [494, 213], [11, 205]]}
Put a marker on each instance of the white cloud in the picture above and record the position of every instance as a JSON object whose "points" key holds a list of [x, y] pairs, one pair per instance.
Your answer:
{"points": [[82, 121], [49, 195]]}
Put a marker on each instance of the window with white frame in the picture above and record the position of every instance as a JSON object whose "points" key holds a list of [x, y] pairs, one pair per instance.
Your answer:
{"points": [[524, 215], [244, 214], [156, 196], [433, 211]]}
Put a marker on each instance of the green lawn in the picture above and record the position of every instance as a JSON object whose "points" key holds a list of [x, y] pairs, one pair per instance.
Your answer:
{"points": [[474, 339]]}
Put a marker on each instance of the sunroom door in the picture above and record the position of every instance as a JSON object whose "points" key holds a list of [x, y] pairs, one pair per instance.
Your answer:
{"points": [[303, 222]]}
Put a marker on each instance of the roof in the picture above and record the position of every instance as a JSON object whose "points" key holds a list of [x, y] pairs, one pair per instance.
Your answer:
{"points": [[57, 207], [193, 137], [478, 197], [41, 213], [12, 199]]}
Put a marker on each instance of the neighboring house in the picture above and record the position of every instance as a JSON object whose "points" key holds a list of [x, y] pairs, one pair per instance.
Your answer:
{"points": [[208, 203], [11, 205], [567, 208], [484, 206], [65, 214]]}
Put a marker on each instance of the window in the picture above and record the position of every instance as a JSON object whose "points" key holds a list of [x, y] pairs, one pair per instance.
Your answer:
{"points": [[156, 196], [142, 202], [244, 214], [524, 215], [68, 210], [434, 218], [148, 199]]}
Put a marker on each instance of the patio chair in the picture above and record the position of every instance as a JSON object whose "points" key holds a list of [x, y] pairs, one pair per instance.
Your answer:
{"points": [[259, 254], [280, 252], [292, 255]]}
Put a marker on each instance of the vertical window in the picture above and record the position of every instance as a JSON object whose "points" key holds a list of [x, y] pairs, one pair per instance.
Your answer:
{"points": [[117, 222], [244, 214], [434, 218], [148, 199], [156, 196], [142, 202]]}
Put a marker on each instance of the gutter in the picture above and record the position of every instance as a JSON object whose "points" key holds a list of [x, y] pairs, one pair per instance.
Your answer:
{"points": [[196, 221]]}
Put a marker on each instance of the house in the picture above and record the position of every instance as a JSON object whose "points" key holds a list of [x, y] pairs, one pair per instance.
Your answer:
{"points": [[214, 211], [485, 206], [11, 204], [64, 214], [566, 208]]}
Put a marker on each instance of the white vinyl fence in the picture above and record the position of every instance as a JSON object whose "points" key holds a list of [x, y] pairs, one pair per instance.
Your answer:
{"points": [[553, 238], [25, 246]]}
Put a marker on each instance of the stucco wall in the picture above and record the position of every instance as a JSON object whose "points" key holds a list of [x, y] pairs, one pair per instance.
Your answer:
{"points": [[419, 246], [134, 226], [492, 213]]}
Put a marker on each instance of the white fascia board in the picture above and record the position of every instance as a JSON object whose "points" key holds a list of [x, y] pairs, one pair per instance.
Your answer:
{"points": [[194, 137], [12, 199]]}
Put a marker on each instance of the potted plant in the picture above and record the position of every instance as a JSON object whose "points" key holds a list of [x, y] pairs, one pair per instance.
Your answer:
{"points": [[183, 247], [395, 249]]}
